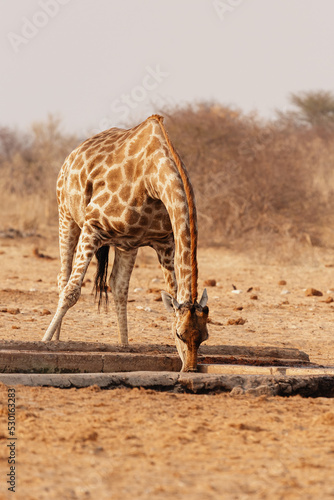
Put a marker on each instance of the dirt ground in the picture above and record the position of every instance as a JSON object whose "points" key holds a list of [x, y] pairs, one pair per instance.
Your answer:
{"points": [[122, 444]]}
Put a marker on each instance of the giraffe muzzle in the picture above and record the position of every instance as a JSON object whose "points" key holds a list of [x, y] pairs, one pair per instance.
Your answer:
{"points": [[191, 359]]}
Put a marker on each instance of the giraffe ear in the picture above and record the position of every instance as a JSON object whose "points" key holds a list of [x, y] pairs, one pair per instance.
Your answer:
{"points": [[204, 298], [169, 302]]}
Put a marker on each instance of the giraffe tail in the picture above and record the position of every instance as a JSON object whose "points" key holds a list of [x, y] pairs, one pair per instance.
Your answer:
{"points": [[100, 286]]}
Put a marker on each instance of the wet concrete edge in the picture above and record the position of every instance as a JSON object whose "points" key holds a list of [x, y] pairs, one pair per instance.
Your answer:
{"points": [[194, 383]]}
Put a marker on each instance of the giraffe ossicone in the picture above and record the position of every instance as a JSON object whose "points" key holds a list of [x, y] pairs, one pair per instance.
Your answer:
{"points": [[128, 189]]}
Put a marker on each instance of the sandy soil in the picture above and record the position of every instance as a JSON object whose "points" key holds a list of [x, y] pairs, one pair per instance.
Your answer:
{"points": [[89, 444]]}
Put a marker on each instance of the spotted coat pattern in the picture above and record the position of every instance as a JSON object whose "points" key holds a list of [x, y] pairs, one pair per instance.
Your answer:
{"points": [[122, 188]]}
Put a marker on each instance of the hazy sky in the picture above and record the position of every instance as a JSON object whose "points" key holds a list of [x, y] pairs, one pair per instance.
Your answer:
{"points": [[100, 63]]}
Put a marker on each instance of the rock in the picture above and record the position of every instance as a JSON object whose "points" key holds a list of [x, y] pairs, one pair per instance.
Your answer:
{"points": [[237, 391], [238, 321], [40, 255], [214, 322], [11, 310], [45, 312], [261, 390], [282, 283], [313, 292], [254, 297], [210, 282]]}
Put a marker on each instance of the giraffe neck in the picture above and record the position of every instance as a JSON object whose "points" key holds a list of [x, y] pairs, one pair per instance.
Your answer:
{"points": [[167, 186], [186, 238]]}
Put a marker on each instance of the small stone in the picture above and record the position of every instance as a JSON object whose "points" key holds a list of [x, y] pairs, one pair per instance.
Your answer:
{"points": [[45, 312], [214, 322], [238, 321], [329, 300], [237, 391], [254, 297], [282, 283], [13, 311], [240, 308], [210, 282], [313, 292], [91, 436]]}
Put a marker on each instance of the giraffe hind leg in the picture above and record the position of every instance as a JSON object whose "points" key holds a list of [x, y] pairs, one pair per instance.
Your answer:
{"points": [[119, 284]]}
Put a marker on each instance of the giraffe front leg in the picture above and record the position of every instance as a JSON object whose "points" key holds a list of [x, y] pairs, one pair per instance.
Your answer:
{"points": [[119, 284], [70, 294], [69, 233], [165, 252], [57, 334]]}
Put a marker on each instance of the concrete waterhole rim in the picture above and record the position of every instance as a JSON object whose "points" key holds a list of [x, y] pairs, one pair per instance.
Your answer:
{"points": [[237, 370]]}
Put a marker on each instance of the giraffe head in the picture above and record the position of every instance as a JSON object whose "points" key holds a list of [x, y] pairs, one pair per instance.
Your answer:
{"points": [[189, 327]]}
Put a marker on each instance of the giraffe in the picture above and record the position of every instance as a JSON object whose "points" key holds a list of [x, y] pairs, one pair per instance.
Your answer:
{"points": [[128, 189]]}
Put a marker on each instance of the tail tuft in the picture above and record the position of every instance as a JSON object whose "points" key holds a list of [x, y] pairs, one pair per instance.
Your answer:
{"points": [[101, 275]]}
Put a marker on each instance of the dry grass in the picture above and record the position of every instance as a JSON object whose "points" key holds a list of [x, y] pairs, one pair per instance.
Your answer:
{"points": [[259, 185], [29, 165]]}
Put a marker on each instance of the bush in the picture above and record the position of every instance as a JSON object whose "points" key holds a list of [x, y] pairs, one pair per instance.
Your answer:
{"points": [[29, 165], [257, 184], [253, 179]]}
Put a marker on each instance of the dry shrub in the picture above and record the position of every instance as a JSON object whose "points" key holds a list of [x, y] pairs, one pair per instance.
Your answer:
{"points": [[29, 165], [259, 185]]}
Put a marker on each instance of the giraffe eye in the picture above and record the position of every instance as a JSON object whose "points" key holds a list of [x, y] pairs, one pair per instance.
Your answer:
{"points": [[179, 337]]}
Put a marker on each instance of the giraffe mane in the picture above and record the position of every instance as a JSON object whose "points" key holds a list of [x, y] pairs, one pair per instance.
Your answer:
{"points": [[191, 206]]}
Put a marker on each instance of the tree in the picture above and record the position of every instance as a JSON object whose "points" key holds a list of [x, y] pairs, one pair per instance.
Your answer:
{"points": [[315, 108]]}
